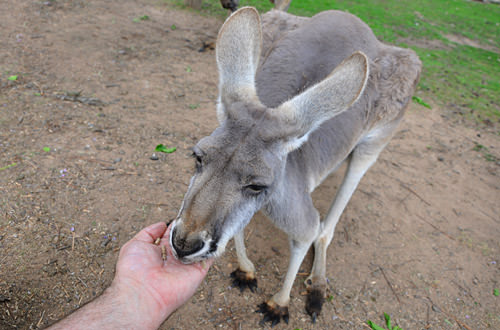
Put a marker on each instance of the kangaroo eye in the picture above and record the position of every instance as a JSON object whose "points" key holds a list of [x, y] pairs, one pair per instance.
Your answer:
{"points": [[255, 188]]}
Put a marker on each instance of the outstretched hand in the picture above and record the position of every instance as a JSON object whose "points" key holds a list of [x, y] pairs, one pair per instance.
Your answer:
{"points": [[149, 285], [154, 281]]}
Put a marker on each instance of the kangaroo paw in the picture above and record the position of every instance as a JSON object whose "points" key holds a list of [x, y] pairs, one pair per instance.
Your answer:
{"points": [[273, 313], [243, 280], [314, 302]]}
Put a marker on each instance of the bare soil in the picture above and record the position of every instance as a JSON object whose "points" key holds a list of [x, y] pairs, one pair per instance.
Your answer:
{"points": [[419, 239]]}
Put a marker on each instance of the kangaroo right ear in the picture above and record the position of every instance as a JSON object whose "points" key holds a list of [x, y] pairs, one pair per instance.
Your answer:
{"points": [[336, 93], [237, 53]]}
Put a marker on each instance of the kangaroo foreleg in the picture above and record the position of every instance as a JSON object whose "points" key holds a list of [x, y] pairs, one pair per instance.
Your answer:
{"points": [[244, 276]]}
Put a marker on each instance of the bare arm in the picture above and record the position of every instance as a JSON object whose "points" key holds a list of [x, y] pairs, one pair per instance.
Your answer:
{"points": [[146, 289]]}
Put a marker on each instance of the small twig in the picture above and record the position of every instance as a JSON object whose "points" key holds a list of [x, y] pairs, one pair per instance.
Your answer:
{"points": [[249, 234], [414, 193], [435, 227], [149, 203], [163, 253], [95, 160], [466, 291], [40, 89], [463, 325], [489, 216], [427, 316], [40, 321], [390, 285], [82, 282]]}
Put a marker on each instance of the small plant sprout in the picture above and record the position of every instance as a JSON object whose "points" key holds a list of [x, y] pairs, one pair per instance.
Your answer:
{"points": [[46, 149], [418, 100], [387, 317], [8, 166], [162, 148], [142, 18]]}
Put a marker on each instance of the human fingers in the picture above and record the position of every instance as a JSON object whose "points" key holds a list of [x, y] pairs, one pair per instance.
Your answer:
{"points": [[151, 233]]}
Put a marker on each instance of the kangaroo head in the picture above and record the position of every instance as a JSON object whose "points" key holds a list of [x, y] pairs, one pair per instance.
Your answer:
{"points": [[239, 166]]}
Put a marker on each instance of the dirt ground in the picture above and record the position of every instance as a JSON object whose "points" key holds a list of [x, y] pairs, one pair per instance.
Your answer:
{"points": [[97, 91]]}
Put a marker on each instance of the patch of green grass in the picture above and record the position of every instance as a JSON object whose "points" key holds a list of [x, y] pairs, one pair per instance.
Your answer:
{"points": [[456, 40], [485, 152], [387, 318]]}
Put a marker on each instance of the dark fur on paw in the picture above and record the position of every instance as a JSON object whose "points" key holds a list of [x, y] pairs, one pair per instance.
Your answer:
{"points": [[273, 314], [314, 303], [244, 280]]}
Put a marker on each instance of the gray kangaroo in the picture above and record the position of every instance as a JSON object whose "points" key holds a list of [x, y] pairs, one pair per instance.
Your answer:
{"points": [[297, 97]]}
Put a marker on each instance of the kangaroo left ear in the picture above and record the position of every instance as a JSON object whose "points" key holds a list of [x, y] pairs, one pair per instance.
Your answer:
{"points": [[237, 53], [305, 112]]}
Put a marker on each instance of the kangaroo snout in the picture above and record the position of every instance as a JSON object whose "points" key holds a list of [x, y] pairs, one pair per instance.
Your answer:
{"points": [[185, 247], [189, 247]]}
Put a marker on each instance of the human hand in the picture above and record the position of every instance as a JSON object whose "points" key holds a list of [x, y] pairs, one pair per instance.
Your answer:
{"points": [[150, 287]]}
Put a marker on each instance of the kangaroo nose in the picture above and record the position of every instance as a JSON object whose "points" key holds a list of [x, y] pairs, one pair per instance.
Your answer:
{"points": [[185, 247]]}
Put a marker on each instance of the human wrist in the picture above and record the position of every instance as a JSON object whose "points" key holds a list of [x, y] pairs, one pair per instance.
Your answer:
{"points": [[134, 305]]}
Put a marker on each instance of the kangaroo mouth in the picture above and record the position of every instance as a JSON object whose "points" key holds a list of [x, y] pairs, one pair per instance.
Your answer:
{"points": [[193, 250]]}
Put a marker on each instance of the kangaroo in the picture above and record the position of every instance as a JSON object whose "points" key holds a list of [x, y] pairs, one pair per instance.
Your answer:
{"points": [[232, 5], [297, 98]]}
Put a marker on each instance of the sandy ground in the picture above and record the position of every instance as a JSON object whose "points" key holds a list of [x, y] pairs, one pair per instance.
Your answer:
{"points": [[419, 239]]}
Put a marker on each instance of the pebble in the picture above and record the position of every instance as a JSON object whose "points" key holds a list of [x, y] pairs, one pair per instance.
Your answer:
{"points": [[154, 157]]}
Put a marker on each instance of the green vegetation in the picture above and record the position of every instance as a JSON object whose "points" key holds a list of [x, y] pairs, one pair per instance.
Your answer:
{"points": [[387, 317], [457, 41], [142, 18], [8, 166], [485, 152], [162, 148], [419, 100]]}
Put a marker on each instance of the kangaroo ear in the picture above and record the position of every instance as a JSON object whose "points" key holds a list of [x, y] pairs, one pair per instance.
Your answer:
{"points": [[237, 53], [336, 93]]}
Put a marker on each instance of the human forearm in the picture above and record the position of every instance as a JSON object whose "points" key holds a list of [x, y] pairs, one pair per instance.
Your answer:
{"points": [[111, 310], [149, 285]]}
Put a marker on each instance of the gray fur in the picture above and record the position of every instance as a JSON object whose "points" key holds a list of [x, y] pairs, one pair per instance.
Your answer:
{"points": [[320, 91]]}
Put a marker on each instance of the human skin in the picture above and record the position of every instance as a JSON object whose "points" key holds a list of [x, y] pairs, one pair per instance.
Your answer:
{"points": [[146, 289]]}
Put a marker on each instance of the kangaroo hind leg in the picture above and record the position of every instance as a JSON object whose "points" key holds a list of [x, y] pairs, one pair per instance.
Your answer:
{"points": [[360, 160]]}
